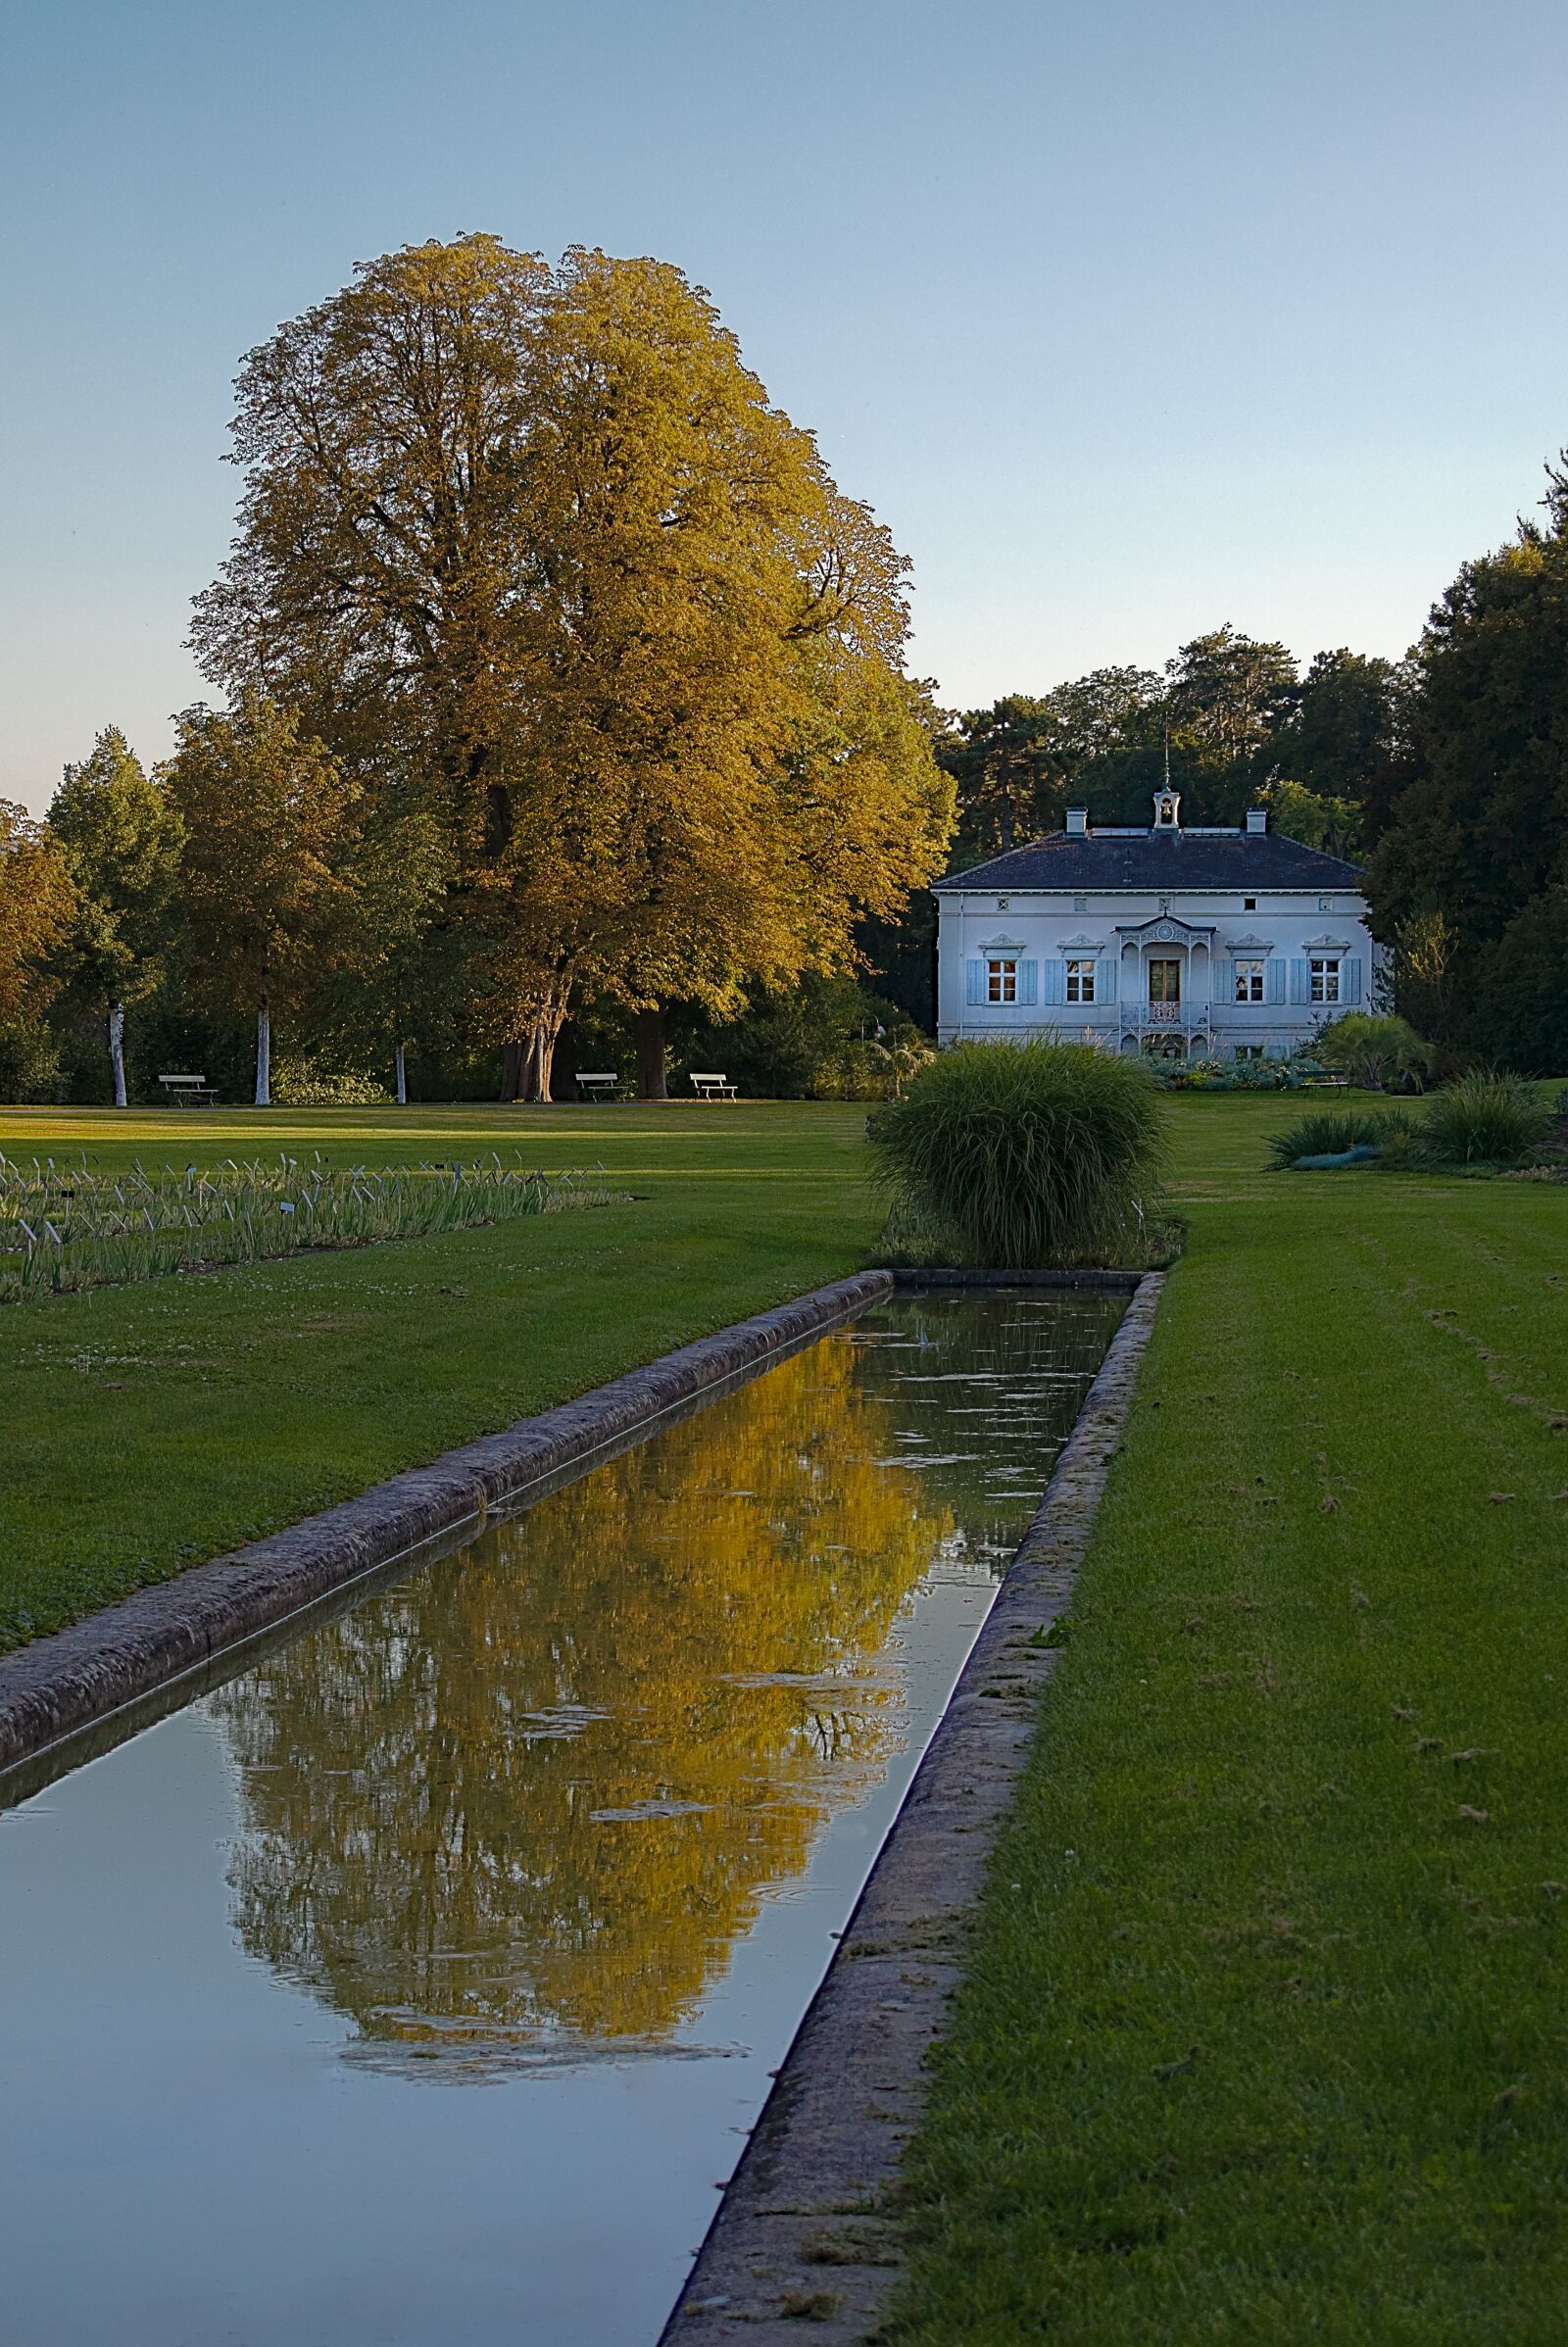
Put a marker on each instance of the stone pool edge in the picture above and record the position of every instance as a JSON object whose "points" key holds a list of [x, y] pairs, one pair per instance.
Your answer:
{"points": [[802, 2242], [78, 1678]]}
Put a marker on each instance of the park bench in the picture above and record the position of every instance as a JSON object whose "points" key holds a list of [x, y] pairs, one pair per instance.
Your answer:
{"points": [[600, 1086], [713, 1088], [1324, 1083], [189, 1091]]}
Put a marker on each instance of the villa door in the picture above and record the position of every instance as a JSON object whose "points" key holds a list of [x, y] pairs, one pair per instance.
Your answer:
{"points": [[1165, 981]]}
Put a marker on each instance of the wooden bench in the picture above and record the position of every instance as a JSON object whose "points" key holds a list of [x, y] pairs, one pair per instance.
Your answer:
{"points": [[188, 1092], [1324, 1083], [713, 1088], [597, 1087]]}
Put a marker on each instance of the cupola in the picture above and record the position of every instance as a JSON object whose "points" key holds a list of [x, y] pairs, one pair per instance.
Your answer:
{"points": [[1167, 810]]}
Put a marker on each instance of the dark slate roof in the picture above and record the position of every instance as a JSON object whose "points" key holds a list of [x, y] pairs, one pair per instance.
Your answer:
{"points": [[1145, 861]]}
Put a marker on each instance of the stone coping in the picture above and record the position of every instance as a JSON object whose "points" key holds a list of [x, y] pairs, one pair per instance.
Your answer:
{"points": [[77, 1678], [804, 2240]]}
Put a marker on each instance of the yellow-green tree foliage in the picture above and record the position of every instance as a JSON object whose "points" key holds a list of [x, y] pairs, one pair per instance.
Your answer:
{"points": [[542, 1785], [539, 537], [37, 902], [266, 817]]}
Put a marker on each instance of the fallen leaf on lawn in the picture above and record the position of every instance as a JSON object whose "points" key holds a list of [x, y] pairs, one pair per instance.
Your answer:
{"points": [[1476, 1817]]}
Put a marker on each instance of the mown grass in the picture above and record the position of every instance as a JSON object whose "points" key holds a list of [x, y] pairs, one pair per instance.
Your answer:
{"points": [[148, 1426], [1262, 2036]]}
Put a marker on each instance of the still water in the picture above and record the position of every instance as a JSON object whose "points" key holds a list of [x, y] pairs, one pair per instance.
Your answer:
{"points": [[416, 1989]]}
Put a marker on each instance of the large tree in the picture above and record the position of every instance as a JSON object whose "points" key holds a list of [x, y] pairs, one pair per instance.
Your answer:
{"points": [[36, 904], [268, 823], [1472, 856], [538, 541], [121, 835]]}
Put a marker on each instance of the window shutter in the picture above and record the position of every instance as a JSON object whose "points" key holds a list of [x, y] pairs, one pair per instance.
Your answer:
{"points": [[974, 973], [1300, 983], [1055, 989], [1028, 981], [1350, 981], [1274, 979], [1226, 978], [1106, 978]]}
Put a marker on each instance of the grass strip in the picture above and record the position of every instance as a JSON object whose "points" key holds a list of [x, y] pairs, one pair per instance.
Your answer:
{"points": [[1262, 2036], [150, 1425]]}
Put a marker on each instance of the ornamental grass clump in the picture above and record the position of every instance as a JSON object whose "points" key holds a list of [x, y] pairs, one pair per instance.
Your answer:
{"points": [[1329, 1133], [66, 1228], [1485, 1118], [1028, 1154]]}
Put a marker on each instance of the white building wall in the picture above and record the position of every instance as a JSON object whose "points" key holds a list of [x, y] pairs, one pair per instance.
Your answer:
{"points": [[1210, 932]]}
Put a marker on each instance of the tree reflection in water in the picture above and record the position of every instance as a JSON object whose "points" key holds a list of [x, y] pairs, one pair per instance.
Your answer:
{"points": [[536, 1791], [528, 1800]]}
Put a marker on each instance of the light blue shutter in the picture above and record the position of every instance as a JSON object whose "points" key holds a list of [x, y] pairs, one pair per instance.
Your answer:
{"points": [[1106, 978], [1028, 981], [1227, 979], [1300, 983], [1055, 980], [974, 981], [1350, 981], [1274, 979]]}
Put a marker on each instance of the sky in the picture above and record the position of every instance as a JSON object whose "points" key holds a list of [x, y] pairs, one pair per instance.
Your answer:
{"points": [[1129, 316]]}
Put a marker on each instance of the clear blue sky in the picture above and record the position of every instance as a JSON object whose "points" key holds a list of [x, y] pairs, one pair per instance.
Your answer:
{"points": [[1129, 316]]}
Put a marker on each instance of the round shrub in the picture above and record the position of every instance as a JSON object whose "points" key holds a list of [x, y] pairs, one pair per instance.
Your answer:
{"points": [[1035, 1153], [1483, 1119]]}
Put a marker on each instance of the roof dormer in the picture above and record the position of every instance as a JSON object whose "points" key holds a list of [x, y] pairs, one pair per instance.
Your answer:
{"points": [[1167, 810]]}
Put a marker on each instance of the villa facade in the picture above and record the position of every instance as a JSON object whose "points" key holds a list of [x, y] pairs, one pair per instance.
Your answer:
{"points": [[1195, 944]]}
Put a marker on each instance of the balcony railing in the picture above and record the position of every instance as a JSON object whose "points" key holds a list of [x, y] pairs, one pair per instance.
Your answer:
{"points": [[1162, 1015]]}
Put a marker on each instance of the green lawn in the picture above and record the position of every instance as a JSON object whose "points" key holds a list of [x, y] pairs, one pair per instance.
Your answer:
{"points": [[1264, 2037], [149, 1426]]}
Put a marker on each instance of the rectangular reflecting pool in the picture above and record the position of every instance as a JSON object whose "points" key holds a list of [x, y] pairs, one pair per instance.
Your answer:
{"points": [[418, 1986]]}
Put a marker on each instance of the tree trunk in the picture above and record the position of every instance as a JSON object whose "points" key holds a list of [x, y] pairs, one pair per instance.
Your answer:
{"points": [[403, 1079], [651, 1049], [264, 1057], [117, 1049], [511, 1071], [537, 1051]]}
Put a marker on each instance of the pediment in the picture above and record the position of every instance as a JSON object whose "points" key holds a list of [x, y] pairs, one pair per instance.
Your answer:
{"points": [[1000, 945], [1166, 928], [1083, 945], [1326, 945], [1248, 944]]}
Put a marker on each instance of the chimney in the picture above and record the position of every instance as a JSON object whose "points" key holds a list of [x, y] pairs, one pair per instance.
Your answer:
{"points": [[1077, 822], [1257, 821]]}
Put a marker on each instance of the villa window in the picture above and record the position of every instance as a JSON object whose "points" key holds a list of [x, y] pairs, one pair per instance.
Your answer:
{"points": [[1325, 979], [1001, 980], [1249, 982], [1249, 905], [1080, 904], [1165, 981], [1080, 981]]}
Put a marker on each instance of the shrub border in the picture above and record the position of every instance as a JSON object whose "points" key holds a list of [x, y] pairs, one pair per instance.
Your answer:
{"points": [[804, 2238]]}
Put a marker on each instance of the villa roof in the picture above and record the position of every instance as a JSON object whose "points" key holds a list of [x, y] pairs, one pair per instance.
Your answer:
{"points": [[1159, 861]]}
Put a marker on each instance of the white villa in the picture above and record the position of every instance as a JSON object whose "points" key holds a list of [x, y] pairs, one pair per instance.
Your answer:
{"points": [[1199, 944]]}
